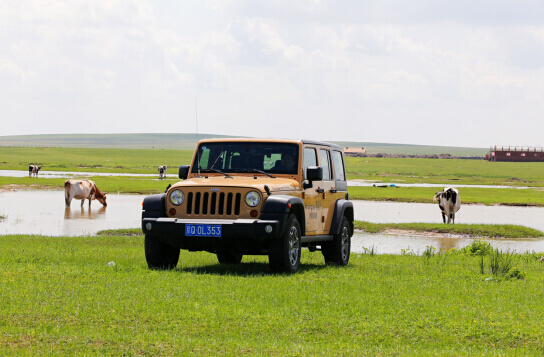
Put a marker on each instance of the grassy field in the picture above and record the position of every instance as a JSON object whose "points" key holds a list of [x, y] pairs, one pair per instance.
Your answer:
{"points": [[468, 230], [441, 171], [138, 185], [137, 161], [487, 196], [63, 296], [449, 172]]}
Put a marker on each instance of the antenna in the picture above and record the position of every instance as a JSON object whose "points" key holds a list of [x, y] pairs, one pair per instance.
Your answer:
{"points": [[197, 149]]}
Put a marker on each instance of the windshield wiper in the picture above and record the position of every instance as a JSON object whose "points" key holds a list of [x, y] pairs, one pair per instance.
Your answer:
{"points": [[257, 171], [215, 170]]}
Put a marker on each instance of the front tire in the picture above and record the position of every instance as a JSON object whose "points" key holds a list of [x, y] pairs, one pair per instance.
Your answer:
{"points": [[337, 251], [284, 253], [159, 255], [229, 258]]}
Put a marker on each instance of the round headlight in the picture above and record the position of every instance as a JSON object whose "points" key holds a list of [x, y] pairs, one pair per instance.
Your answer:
{"points": [[177, 197], [253, 199]]}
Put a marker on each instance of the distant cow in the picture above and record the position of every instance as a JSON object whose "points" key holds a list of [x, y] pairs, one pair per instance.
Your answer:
{"points": [[33, 170], [449, 203], [82, 190], [162, 172]]}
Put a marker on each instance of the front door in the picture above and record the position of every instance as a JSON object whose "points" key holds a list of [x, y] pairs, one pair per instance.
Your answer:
{"points": [[312, 198]]}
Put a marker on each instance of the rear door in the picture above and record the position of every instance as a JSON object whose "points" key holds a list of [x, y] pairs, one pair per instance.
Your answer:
{"points": [[328, 188]]}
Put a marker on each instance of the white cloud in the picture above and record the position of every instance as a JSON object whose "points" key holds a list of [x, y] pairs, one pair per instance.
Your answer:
{"points": [[387, 71]]}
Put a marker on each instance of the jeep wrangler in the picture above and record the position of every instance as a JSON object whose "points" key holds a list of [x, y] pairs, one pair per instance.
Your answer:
{"points": [[253, 197]]}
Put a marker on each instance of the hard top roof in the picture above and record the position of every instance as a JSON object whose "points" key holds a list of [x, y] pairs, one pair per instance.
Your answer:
{"points": [[310, 142]]}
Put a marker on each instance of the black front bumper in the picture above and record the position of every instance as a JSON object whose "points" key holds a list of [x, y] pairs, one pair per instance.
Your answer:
{"points": [[247, 236]]}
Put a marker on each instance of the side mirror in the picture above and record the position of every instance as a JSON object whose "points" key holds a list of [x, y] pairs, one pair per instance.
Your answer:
{"points": [[313, 173], [183, 172]]}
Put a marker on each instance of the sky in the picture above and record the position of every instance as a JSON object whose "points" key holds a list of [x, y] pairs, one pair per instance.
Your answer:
{"points": [[453, 73]]}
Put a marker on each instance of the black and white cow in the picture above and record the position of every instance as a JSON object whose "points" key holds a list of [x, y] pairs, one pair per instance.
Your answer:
{"points": [[33, 170], [449, 203], [162, 172]]}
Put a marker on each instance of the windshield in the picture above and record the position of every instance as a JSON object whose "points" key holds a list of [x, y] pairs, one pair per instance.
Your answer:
{"points": [[272, 158]]}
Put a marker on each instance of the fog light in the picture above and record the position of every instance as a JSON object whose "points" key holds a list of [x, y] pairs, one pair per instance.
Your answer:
{"points": [[268, 228], [172, 211], [148, 226]]}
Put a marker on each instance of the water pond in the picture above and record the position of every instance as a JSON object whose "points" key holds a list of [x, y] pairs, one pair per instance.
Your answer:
{"points": [[44, 213]]}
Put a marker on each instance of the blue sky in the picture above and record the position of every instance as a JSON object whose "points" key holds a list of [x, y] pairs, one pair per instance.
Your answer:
{"points": [[463, 73]]}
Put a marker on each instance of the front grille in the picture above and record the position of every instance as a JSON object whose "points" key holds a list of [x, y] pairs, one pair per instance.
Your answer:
{"points": [[214, 204]]}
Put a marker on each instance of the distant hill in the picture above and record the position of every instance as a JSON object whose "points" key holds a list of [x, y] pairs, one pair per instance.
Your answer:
{"points": [[388, 148], [188, 142]]}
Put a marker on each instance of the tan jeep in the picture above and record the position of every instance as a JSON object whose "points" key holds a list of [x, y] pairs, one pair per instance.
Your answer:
{"points": [[253, 197]]}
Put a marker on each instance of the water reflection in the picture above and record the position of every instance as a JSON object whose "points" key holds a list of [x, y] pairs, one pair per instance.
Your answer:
{"points": [[398, 244], [84, 212], [401, 212], [44, 213]]}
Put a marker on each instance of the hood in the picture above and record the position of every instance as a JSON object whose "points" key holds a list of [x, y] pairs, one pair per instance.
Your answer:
{"points": [[274, 184]]}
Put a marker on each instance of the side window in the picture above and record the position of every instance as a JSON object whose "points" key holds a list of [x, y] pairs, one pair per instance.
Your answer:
{"points": [[310, 159], [326, 164], [338, 165]]}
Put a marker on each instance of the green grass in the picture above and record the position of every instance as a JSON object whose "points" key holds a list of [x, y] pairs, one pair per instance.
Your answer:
{"points": [[59, 297], [441, 171], [445, 171], [94, 160], [138, 185], [487, 196], [469, 230]]}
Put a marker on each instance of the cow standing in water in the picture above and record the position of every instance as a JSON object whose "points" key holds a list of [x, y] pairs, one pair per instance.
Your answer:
{"points": [[449, 203], [33, 170], [162, 172], [82, 190]]}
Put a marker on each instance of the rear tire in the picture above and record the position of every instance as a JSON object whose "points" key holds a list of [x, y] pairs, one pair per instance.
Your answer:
{"points": [[337, 251], [284, 252], [159, 255], [229, 258]]}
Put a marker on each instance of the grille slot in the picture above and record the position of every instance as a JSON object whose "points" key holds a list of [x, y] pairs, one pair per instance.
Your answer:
{"points": [[213, 204], [229, 204]]}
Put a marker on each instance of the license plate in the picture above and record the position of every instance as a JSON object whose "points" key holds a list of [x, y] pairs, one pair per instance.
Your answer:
{"points": [[203, 230]]}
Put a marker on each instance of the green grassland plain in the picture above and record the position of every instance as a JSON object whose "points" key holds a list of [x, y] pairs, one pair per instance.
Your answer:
{"points": [[448, 172], [64, 296], [95, 295]]}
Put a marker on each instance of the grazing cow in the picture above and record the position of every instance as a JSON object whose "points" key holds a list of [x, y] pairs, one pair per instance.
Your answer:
{"points": [[82, 190], [33, 170], [449, 203], [162, 172]]}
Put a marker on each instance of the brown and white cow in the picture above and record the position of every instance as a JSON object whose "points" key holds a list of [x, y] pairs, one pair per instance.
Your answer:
{"points": [[449, 203], [33, 170], [82, 190], [162, 172]]}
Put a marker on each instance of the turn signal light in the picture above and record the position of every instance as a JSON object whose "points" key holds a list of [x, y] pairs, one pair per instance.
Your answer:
{"points": [[172, 211], [254, 213]]}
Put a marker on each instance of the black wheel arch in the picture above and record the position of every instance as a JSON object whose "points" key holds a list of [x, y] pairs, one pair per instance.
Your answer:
{"points": [[342, 208], [284, 204], [155, 202]]}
